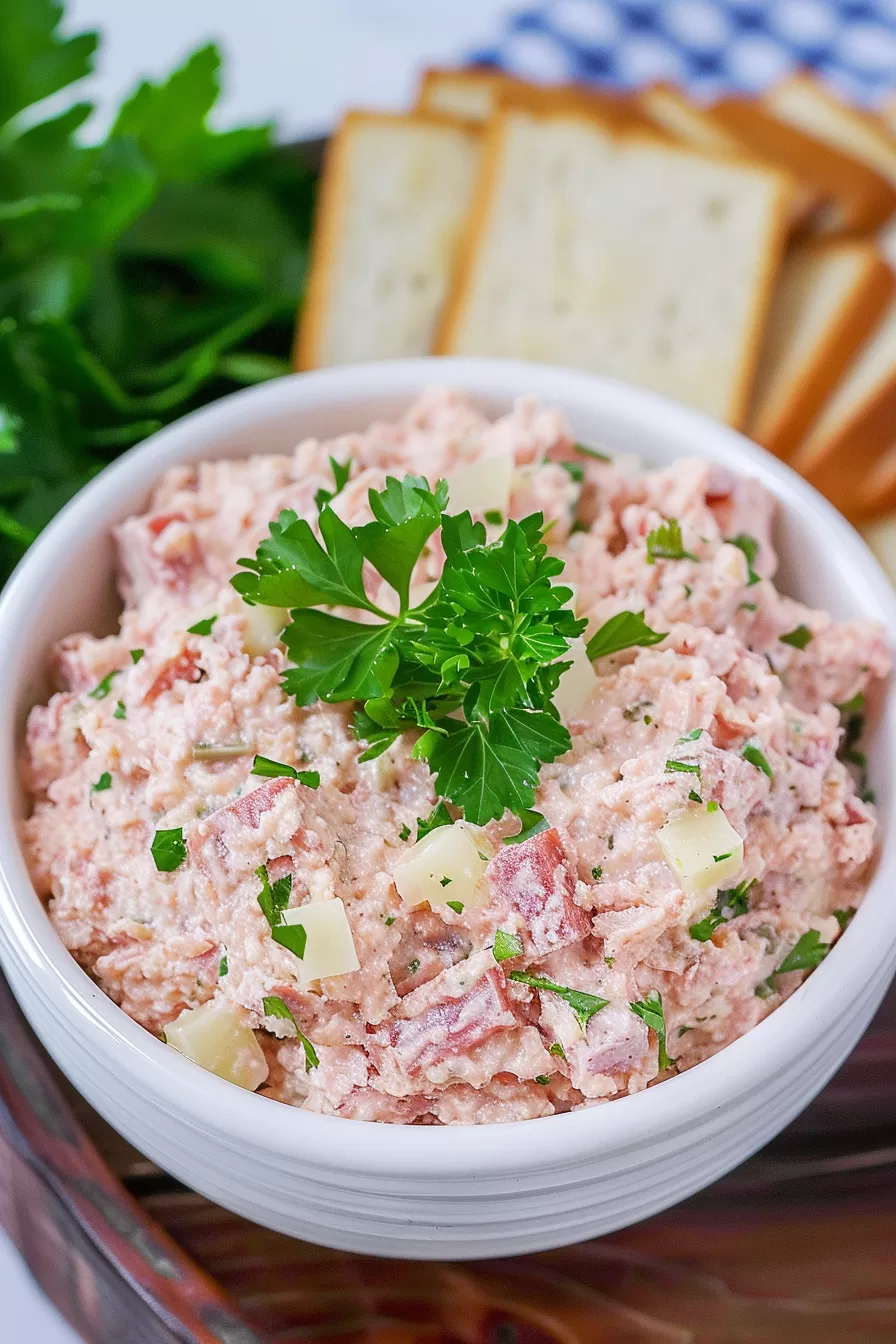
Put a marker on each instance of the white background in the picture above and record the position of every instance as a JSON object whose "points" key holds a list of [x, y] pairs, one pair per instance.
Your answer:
{"points": [[302, 62]]}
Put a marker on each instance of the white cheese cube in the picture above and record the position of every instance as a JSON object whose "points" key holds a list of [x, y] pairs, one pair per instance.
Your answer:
{"points": [[218, 1037], [482, 486], [264, 626], [446, 865], [576, 683], [701, 847], [329, 946]]}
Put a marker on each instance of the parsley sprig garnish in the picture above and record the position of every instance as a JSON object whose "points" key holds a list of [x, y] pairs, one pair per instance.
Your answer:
{"points": [[650, 1010], [729, 904], [665, 543], [471, 670], [273, 899]]}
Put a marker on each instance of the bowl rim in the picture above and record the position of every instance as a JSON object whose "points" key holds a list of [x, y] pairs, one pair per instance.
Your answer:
{"points": [[32, 946]]}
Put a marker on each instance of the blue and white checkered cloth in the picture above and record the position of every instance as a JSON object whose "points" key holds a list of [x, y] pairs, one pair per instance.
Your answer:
{"points": [[710, 47]]}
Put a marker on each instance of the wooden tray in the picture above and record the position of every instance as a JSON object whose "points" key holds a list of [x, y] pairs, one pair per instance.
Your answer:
{"points": [[797, 1245]]}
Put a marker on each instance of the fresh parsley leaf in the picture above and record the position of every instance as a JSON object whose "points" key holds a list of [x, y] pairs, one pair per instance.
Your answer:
{"points": [[506, 945], [797, 638], [341, 472], [102, 688], [494, 516], [625, 630], [692, 736], [853, 706], [274, 1006], [682, 1031], [223, 968], [650, 1010], [807, 953], [414, 966], [439, 816], [592, 452], [389, 921], [694, 797], [203, 627], [456, 906], [136, 655], [104, 782], [404, 832], [543, 1079], [120, 711], [274, 899], [169, 849], [665, 543], [753, 753], [575, 471], [597, 873], [683, 767], [533, 823], [729, 904], [844, 917], [264, 766], [583, 1005], [750, 547], [557, 1049]]}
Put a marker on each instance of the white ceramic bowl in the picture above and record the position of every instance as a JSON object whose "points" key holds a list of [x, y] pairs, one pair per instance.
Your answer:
{"points": [[432, 1192]]}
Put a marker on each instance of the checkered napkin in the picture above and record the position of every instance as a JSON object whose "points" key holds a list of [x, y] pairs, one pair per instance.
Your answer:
{"points": [[711, 48]]}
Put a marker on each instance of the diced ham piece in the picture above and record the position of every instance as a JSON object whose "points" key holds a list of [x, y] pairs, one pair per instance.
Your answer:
{"points": [[451, 1014], [185, 667], [536, 879], [158, 549], [213, 839]]}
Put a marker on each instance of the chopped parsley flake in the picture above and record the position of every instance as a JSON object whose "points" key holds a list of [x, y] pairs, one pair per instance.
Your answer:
{"points": [[557, 1049], [592, 452], [844, 917], [414, 967], [597, 873], [506, 945], [542, 1078], [583, 1005], [683, 1030], [444, 881], [274, 1006], [854, 705], [610, 961], [136, 655], [650, 1010], [797, 638], [494, 517], [274, 899], [389, 921], [439, 816], [729, 904], [720, 858], [102, 688], [748, 606], [222, 966], [169, 849], [456, 906], [202, 627], [753, 753], [808, 953], [695, 797], [683, 767], [120, 711], [405, 832], [104, 782], [750, 547], [575, 470], [712, 805], [691, 736], [263, 765], [625, 630], [665, 543]]}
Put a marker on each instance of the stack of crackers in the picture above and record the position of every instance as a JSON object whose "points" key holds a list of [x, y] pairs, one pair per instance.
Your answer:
{"points": [[731, 256]]}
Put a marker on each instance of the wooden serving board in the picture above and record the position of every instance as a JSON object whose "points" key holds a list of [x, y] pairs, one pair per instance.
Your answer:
{"points": [[797, 1245]]}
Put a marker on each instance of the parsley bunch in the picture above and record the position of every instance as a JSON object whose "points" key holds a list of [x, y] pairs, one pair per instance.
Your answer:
{"points": [[472, 669], [142, 273]]}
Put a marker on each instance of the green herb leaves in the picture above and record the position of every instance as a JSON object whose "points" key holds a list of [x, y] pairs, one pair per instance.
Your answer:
{"points": [[202, 627], [169, 849], [808, 953], [650, 1010], [264, 766], [729, 904], [798, 638], [274, 1006], [583, 1005], [273, 899], [506, 945], [103, 783], [665, 543], [471, 669], [102, 688], [625, 630], [750, 547], [752, 752]]}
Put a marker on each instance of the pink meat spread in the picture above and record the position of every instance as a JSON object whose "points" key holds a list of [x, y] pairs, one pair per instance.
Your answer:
{"points": [[432, 1028]]}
